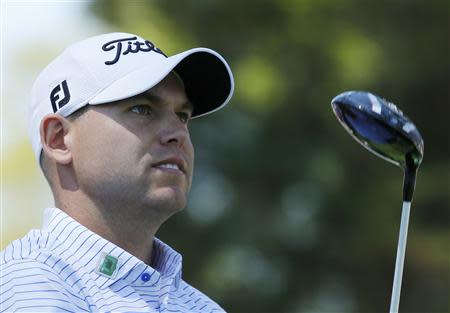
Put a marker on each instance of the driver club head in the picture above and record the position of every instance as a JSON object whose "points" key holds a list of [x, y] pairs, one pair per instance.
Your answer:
{"points": [[380, 127]]}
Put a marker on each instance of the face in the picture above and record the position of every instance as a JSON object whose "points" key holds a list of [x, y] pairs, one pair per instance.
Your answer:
{"points": [[136, 154]]}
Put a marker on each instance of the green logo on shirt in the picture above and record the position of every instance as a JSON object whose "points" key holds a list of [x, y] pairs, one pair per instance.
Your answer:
{"points": [[107, 265]]}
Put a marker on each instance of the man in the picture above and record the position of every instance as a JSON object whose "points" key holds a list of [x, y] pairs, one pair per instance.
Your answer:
{"points": [[108, 125]]}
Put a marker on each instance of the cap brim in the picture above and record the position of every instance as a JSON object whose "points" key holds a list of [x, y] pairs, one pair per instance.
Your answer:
{"points": [[206, 75]]}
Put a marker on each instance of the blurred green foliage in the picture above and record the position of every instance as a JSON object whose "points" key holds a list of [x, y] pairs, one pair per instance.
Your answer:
{"points": [[287, 212]]}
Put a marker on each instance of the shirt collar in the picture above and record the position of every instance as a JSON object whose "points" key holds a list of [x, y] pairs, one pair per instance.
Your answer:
{"points": [[88, 248]]}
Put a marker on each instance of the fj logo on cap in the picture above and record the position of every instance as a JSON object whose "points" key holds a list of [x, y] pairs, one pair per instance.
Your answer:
{"points": [[55, 96], [134, 46], [107, 265]]}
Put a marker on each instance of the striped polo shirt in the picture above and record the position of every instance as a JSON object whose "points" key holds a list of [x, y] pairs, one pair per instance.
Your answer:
{"points": [[65, 267]]}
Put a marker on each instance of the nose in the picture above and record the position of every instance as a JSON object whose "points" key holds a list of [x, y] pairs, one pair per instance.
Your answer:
{"points": [[174, 132]]}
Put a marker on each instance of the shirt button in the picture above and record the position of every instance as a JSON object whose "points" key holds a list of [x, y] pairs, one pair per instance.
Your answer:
{"points": [[145, 277]]}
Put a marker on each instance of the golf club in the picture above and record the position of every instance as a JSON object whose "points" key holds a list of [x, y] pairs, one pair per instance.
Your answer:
{"points": [[381, 127]]}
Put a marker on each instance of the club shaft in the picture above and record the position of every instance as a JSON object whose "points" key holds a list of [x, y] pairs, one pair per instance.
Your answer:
{"points": [[399, 262]]}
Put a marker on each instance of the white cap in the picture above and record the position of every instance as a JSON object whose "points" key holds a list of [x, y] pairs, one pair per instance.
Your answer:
{"points": [[116, 66]]}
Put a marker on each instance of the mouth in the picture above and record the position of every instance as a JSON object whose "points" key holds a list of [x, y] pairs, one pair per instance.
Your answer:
{"points": [[172, 166]]}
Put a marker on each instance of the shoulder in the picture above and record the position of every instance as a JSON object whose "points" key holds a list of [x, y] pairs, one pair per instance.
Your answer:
{"points": [[28, 246], [197, 300], [28, 282]]}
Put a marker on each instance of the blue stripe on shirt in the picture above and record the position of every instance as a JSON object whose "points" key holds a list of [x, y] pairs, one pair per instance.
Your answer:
{"points": [[55, 269]]}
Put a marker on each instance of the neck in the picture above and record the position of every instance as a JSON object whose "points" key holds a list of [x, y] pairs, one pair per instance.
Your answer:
{"points": [[123, 226]]}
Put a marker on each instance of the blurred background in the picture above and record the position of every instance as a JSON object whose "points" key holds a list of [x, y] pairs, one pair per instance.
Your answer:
{"points": [[287, 213]]}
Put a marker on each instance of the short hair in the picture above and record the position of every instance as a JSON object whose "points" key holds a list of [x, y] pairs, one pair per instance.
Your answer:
{"points": [[78, 113]]}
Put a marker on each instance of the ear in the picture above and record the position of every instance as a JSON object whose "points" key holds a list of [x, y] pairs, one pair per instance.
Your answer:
{"points": [[54, 131]]}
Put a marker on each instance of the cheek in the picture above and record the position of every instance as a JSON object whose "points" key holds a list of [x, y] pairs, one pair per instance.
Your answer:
{"points": [[190, 152], [103, 151]]}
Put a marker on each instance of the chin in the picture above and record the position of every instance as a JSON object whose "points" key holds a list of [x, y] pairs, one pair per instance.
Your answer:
{"points": [[171, 199]]}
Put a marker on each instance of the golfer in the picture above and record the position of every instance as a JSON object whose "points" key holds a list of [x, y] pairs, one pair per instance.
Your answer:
{"points": [[108, 122]]}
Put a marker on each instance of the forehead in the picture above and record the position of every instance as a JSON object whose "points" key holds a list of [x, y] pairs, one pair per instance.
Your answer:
{"points": [[169, 91]]}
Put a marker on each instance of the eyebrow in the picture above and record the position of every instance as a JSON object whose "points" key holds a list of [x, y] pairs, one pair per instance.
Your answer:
{"points": [[149, 95]]}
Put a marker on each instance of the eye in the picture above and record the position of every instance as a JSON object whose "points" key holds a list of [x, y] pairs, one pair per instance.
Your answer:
{"points": [[184, 117], [141, 109]]}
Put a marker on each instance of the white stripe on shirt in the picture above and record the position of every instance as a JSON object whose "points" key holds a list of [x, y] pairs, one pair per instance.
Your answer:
{"points": [[55, 270]]}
